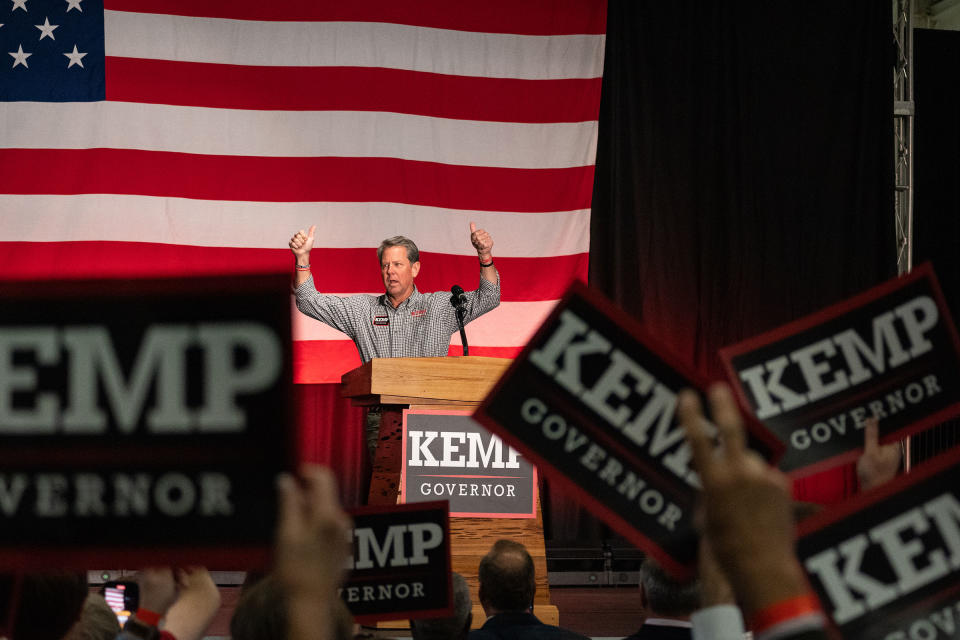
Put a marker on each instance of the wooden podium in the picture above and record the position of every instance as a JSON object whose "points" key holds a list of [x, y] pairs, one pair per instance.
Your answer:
{"points": [[455, 383]]}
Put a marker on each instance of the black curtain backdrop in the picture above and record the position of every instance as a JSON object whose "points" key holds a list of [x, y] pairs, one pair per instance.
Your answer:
{"points": [[936, 169], [937, 157], [744, 175]]}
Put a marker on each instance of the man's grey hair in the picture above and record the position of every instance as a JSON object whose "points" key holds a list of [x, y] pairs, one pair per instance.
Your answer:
{"points": [[413, 254], [456, 626], [666, 596]]}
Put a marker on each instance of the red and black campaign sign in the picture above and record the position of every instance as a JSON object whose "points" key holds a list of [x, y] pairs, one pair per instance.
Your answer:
{"points": [[143, 421], [592, 401], [886, 564], [401, 563], [891, 352]]}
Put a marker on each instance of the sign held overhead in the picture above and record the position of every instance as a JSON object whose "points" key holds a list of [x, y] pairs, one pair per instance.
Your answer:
{"points": [[143, 421], [400, 567], [891, 352], [887, 563], [592, 402]]}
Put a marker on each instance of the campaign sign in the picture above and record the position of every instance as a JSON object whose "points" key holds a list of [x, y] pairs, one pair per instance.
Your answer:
{"points": [[143, 421], [401, 563], [891, 352], [592, 400], [449, 456], [886, 564]]}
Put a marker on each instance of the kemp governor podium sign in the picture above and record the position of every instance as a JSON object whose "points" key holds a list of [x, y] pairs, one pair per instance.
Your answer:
{"points": [[449, 456], [142, 421]]}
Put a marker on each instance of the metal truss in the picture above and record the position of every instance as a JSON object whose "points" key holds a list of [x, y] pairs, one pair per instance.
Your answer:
{"points": [[903, 151], [903, 132]]}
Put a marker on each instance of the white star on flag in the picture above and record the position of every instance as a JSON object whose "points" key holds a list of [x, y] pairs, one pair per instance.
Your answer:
{"points": [[19, 57], [75, 57], [74, 4], [46, 29], [19, 3]]}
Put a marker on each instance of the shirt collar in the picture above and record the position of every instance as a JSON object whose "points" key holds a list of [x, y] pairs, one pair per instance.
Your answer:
{"points": [[415, 296], [668, 622]]}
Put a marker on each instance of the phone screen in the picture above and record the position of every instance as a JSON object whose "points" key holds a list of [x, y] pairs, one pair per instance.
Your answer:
{"points": [[122, 596]]}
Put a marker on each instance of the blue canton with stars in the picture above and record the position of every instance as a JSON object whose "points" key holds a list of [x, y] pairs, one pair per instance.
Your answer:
{"points": [[52, 50]]}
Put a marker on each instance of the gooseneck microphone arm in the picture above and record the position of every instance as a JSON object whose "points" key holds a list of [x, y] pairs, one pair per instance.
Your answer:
{"points": [[459, 302]]}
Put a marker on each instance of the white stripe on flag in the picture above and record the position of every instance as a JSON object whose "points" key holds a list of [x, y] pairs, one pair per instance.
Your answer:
{"points": [[352, 44], [269, 225], [348, 134]]}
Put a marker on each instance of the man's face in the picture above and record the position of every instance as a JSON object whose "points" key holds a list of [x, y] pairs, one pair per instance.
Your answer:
{"points": [[398, 273]]}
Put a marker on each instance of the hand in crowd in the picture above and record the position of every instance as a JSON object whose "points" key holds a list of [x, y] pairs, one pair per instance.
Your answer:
{"points": [[878, 463], [746, 506], [191, 614], [715, 589], [302, 242], [312, 549], [482, 242], [158, 589], [187, 599]]}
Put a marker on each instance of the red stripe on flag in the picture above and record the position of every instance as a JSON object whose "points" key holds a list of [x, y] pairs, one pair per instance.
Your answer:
{"points": [[155, 173], [532, 17], [321, 361], [105, 259], [352, 89], [339, 270], [521, 279]]}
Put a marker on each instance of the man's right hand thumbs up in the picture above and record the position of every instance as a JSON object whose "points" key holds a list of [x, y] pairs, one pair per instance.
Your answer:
{"points": [[302, 242]]}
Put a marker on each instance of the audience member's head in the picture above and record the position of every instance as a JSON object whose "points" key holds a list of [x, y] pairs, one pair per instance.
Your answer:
{"points": [[261, 613], [97, 621], [664, 597], [455, 627], [48, 605], [507, 580]]}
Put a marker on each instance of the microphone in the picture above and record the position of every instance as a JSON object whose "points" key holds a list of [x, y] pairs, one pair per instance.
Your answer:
{"points": [[459, 302], [458, 299]]}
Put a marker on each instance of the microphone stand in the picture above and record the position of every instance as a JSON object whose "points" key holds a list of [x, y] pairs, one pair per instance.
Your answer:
{"points": [[459, 302], [463, 334]]}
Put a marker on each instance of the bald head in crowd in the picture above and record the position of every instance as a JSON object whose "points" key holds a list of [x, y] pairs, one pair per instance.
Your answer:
{"points": [[507, 579], [507, 587]]}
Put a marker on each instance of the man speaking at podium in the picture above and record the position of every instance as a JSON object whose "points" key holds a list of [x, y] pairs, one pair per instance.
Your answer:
{"points": [[401, 323]]}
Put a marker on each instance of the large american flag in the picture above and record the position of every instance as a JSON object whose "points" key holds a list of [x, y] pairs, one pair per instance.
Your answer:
{"points": [[179, 137]]}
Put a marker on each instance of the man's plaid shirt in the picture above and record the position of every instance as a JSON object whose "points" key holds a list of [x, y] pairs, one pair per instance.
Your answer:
{"points": [[420, 327]]}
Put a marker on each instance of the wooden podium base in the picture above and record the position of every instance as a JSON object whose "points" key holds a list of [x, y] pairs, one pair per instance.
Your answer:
{"points": [[471, 538]]}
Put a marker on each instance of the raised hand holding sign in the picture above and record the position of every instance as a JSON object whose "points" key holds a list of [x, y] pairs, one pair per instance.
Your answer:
{"points": [[878, 463]]}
